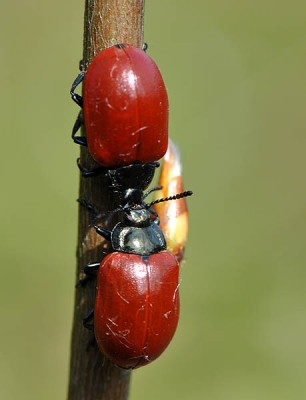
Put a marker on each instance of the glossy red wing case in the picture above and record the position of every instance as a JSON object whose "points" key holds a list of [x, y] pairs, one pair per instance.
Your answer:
{"points": [[125, 107], [137, 307]]}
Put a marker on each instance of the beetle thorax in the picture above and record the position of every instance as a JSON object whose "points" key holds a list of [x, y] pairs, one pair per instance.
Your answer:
{"points": [[132, 197]]}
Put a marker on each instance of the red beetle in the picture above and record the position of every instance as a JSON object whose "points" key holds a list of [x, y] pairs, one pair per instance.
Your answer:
{"points": [[125, 107], [137, 307], [137, 302]]}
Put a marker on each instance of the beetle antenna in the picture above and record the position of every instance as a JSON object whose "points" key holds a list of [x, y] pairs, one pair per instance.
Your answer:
{"points": [[94, 214], [175, 197]]}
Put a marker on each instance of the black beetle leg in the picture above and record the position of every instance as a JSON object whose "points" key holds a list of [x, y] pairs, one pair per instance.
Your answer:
{"points": [[81, 140], [76, 97], [88, 321], [90, 270], [89, 173], [106, 233]]}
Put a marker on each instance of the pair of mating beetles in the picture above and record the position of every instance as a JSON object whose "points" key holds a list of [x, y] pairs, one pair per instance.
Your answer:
{"points": [[125, 113]]}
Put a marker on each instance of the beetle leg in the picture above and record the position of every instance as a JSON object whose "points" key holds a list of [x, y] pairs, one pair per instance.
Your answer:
{"points": [[88, 321], [89, 207], [88, 324], [88, 173], [90, 270], [106, 233], [76, 97], [81, 140]]}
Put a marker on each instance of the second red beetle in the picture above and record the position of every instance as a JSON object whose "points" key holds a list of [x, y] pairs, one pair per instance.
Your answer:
{"points": [[137, 302], [137, 307]]}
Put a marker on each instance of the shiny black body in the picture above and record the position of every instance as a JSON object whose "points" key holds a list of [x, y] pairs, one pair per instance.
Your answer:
{"points": [[129, 183], [138, 231], [144, 241], [136, 235], [136, 176]]}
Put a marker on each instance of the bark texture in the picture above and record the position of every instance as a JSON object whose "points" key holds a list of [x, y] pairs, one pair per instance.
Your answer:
{"points": [[92, 377]]}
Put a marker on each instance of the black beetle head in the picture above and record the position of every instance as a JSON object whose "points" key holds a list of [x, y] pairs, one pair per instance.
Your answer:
{"points": [[138, 217]]}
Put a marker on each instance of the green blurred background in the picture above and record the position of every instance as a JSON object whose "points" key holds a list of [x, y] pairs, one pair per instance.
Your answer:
{"points": [[235, 73]]}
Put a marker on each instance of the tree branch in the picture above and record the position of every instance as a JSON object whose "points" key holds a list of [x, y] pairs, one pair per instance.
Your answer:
{"points": [[92, 377]]}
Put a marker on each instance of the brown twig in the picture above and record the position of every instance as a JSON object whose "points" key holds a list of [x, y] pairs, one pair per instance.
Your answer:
{"points": [[92, 377]]}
